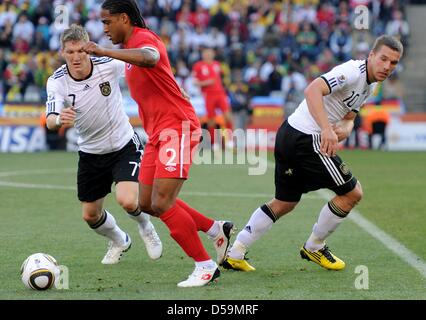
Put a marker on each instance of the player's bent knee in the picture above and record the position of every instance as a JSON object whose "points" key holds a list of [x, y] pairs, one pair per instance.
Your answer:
{"points": [[357, 193], [128, 204], [159, 207], [355, 196], [91, 218]]}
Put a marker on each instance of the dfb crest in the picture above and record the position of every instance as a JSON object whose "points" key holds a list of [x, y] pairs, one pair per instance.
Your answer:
{"points": [[105, 88]]}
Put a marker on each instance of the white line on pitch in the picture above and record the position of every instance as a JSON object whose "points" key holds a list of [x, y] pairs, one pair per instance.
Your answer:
{"points": [[186, 193], [387, 240]]}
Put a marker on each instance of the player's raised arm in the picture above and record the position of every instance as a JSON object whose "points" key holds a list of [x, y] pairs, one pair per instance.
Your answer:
{"points": [[314, 94]]}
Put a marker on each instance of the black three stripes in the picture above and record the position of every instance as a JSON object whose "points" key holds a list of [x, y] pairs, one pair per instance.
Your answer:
{"points": [[315, 255], [362, 68], [330, 83], [328, 163]]}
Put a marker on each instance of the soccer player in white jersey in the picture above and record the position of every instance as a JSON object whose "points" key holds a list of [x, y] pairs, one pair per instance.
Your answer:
{"points": [[85, 93], [305, 154]]}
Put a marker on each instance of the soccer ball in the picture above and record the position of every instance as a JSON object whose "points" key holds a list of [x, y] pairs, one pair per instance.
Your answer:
{"points": [[39, 271]]}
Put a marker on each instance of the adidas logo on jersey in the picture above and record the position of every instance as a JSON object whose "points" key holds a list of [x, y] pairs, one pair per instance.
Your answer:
{"points": [[170, 168], [248, 229], [86, 87]]}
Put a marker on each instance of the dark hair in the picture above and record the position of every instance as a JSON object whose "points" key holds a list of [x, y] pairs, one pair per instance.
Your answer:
{"points": [[388, 41], [128, 7]]}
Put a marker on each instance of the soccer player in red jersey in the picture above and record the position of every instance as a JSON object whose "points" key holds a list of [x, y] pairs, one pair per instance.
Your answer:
{"points": [[208, 75], [173, 130]]}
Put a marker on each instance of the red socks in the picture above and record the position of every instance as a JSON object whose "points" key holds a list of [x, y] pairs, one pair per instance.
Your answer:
{"points": [[183, 230], [201, 221]]}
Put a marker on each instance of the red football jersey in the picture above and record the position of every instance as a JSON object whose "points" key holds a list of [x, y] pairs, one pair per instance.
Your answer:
{"points": [[155, 90], [203, 71]]}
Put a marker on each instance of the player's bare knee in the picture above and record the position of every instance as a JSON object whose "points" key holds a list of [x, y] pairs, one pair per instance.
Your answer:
{"points": [[91, 217], [281, 208], [128, 204], [356, 194], [352, 198]]}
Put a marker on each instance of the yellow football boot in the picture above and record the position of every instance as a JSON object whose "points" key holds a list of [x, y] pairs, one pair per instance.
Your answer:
{"points": [[238, 265], [323, 257]]}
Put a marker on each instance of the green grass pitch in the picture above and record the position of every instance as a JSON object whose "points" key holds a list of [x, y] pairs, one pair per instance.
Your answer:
{"points": [[39, 212]]}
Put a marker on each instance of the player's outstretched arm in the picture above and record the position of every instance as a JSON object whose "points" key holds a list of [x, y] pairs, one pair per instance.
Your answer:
{"points": [[141, 57], [314, 98]]}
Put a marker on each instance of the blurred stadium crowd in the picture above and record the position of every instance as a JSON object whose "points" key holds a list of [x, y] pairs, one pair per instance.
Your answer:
{"points": [[266, 47]]}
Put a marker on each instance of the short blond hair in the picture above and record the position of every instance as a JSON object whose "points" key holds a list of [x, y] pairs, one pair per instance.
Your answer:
{"points": [[74, 33]]}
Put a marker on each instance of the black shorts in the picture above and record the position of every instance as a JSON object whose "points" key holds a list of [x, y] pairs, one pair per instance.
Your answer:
{"points": [[97, 172], [300, 167]]}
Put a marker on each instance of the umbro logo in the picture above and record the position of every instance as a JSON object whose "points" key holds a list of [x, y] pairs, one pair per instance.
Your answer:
{"points": [[86, 87], [170, 168]]}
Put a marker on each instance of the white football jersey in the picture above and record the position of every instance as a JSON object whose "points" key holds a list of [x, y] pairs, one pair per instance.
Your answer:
{"points": [[349, 89], [101, 122]]}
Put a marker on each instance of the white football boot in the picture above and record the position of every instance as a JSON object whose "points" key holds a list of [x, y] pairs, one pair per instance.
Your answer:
{"points": [[221, 241], [200, 277], [152, 241], [115, 251]]}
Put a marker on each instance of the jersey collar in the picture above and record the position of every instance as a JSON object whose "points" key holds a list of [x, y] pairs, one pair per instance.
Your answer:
{"points": [[366, 72], [90, 74]]}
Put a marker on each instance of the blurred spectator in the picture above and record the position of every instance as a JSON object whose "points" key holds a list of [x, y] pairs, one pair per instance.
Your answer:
{"points": [[94, 27], [6, 35], [23, 29], [398, 27], [341, 43], [41, 75], [307, 39], [240, 101], [293, 84], [8, 13]]}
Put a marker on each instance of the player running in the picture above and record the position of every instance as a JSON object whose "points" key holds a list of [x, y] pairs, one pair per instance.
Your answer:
{"points": [[85, 93], [305, 154], [174, 131]]}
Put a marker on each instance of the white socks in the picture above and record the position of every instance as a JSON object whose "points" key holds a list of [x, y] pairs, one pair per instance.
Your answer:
{"points": [[214, 230], [328, 221], [107, 227], [208, 264], [141, 217], [260, 222]]}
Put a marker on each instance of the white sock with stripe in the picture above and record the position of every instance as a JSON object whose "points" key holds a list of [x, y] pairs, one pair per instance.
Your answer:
{"points": [[107, 227], [260, 222], [140, 217], [328, 221]]}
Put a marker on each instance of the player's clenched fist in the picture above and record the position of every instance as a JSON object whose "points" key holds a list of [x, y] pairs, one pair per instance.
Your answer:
{"points": [[93, 49]]}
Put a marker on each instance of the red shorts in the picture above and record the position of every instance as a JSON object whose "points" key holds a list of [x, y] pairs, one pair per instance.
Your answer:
{"points": [[169, 158], [215, 100]]}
